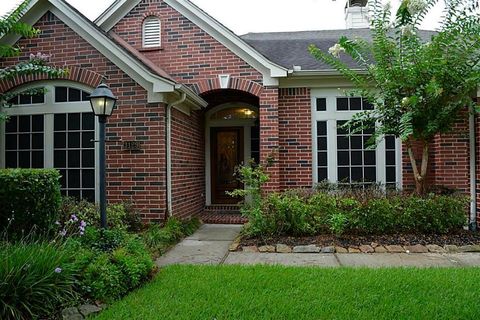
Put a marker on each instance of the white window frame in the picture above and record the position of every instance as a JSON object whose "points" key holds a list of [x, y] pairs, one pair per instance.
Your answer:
{"points": [[48, 109], [331, 116], [156, 42]]}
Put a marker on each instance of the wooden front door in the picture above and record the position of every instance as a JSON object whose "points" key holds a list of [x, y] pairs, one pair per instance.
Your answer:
{"points": [[226, 154]]}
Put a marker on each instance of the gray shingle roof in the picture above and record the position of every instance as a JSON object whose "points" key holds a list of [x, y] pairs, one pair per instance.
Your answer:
{"points": [[290, 48]]}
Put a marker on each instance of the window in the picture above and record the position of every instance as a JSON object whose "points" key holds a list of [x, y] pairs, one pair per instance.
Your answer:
{"points": [[53, 135], [234, 113], [151, 32], [26, 99], [343, 157]]}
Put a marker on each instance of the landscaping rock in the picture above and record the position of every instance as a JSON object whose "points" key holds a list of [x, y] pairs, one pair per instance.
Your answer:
{"points": [[394, 249], [306, 249], [266, 249], [234, 246], [469, 248], [353, 250], [250, 249], [89, 309], [374, 245], [283, 248], [451, 248], [435, 248], [329, 249], [366, 248], [380, 249], [418, 248], [71, 314], [341, 250]]}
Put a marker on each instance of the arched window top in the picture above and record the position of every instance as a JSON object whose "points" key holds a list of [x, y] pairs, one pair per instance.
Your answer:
{"points": [[234, 113], [151, 32]]}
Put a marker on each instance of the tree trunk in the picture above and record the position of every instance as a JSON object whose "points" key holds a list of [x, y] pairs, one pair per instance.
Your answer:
{"points": [[419, 174]]}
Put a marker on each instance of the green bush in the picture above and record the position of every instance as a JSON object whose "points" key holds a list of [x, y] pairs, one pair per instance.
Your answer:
{"points": [[158, 239], [119, 215], [36, 279], [111, 263], [30, 199], [356, 212]]}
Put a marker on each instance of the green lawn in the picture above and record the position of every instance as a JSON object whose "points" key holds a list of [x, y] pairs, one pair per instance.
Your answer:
{"points": [[273, 292]]}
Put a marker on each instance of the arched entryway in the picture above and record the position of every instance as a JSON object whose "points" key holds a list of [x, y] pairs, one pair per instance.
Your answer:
{"points": [[232, 138]]}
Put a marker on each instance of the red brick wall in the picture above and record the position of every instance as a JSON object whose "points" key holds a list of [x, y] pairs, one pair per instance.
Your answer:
{"points": [[269, 133], [140, 176], [295, 138], [188, 163], [187, 53]]}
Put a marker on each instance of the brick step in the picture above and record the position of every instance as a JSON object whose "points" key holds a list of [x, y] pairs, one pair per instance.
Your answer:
{"points": [[231, 209], [222, 218]]}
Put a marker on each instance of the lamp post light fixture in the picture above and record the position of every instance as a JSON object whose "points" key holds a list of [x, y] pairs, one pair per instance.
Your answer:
{"points": [[103, 102]]}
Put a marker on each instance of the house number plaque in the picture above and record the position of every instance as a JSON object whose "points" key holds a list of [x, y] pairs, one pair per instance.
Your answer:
{"points": [[131, 145]]}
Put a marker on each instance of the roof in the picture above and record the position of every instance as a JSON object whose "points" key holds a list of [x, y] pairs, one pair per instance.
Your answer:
{"points": [[290, 49]]}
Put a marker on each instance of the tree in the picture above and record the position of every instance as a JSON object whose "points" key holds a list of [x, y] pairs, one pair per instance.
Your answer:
{"points": [[419, 87], [37, 63]]}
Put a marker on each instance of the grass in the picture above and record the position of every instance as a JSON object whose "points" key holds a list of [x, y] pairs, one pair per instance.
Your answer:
{"points": [[275, 292]]}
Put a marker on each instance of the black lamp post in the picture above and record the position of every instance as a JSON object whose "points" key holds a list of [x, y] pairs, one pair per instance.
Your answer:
{"points": [[103, 102]]}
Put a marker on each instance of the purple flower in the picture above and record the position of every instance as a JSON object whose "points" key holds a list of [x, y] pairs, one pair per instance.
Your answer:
{"points": [[63, 233], [83, 224], [58, 270], [73, 218]]}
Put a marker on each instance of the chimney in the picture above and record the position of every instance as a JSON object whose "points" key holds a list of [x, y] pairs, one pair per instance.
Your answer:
{"points": [[356, 14]]}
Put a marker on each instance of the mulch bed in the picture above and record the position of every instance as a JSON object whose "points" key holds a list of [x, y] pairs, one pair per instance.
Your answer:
{"points": [[460, 239]]}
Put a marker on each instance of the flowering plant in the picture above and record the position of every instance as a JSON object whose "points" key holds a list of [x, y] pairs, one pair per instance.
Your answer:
{"points": [[419, 82], [72, 227]]}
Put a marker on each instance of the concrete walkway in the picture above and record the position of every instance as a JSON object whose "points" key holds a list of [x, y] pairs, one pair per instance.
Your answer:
{"points": [[209, 245]]}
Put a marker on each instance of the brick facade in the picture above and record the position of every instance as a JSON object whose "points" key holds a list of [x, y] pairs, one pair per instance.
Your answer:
{"points": [[193, 57], [295, 138], [131, 176]]}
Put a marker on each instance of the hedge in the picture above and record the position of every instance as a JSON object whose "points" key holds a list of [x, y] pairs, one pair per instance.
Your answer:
{"points": [[30, 201]]}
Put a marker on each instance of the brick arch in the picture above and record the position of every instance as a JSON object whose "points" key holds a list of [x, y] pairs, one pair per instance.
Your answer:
{"points": [[234, 83], [81, 75]]}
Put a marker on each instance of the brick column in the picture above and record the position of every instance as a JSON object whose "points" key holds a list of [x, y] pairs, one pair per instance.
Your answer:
{"points": [[269, 140]]}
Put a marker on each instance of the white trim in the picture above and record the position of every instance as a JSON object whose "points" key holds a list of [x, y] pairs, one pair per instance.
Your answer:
{"points": [[331, 116], [226, 37], [209, 124]]}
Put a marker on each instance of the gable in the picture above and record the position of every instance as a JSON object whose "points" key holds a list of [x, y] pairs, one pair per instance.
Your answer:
{"points": [[159, 88], [187, 24]]}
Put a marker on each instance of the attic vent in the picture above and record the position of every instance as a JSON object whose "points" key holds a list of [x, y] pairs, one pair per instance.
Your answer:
{"points": [[151, 32]]}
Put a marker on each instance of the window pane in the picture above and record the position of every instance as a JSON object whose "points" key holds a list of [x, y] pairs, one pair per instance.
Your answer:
{"points": [[11, 142], [391, 174], [88, 159], [342, 104], [88, 121], [390, 158], [357, 142], [88, 178], [24, 141], [37, 159], [61, 94], [63, 178], [85, 96], [357, 157], [73, 95], [24, 159], [322, 143], [343, 158], [60, 122], [37, 123], [343, 143], [341, 129], [11, 124], [60, 159], [344, 174], [321, 128], [357, 174], [73, 178], [390, 142], [369, 157], [370, 174], [24, 124], [321, 104], [60, 140], [322, 158], [322, 174], [25, 99], [38, 98], [367, 105], [74, 139], [87, 141], [355, 104], [74, 121], [37, 141], [73, 158], [11, 159], [88, 195]]}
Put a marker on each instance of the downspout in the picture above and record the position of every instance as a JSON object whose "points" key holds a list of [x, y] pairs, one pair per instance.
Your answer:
{"points": [[169, 150], [473, 174]]}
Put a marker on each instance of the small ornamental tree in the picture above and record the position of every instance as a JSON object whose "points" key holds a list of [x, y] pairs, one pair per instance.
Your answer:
{"points": [[37, 63], [418, 86]]}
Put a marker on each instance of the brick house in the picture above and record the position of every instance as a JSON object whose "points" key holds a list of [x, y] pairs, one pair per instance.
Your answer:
{"points": [[195, 100]]}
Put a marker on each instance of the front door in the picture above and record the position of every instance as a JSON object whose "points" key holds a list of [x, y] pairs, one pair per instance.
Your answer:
{"points": [[226, 154]]}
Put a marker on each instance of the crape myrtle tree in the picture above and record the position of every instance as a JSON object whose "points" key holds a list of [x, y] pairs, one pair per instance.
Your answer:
{"points": [[419, 87], [36, 63]]}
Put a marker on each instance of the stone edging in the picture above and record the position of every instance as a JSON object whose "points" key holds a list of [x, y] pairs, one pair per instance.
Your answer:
{"points": [[369, 248]]}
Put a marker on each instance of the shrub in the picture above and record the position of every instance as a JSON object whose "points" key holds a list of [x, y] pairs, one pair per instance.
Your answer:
{"points": [[119, 216], [29, 199], [356, 212], [111, 263], [36, 279], [158, 239]]}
